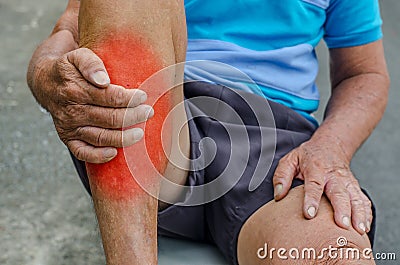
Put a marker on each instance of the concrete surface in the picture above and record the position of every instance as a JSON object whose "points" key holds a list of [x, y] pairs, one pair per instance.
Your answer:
{"points": [[45, 215]]}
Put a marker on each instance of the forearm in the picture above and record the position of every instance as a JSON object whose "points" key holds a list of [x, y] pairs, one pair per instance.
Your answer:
{"points": [[354, 110], [360, 85], [69, 20], [63, 39]]}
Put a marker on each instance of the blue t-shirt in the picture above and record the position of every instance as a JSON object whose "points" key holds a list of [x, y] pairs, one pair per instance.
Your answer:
{"points": [[273, 42]]}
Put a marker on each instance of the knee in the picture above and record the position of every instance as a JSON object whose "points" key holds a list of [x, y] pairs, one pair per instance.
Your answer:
{"points": [[296, 240]]}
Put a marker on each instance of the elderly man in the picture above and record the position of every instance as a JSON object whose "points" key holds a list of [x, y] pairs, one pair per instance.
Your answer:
{"points": [[306, 197]]}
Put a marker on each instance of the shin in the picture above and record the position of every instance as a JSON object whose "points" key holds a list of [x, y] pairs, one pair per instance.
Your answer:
{"points": [[134, 40]]}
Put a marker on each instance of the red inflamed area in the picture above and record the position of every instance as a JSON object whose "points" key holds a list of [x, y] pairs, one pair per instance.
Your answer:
{"points": [[129, 62]]}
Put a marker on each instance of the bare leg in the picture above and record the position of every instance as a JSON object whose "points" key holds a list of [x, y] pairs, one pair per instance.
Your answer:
{"points": [[282, 225], [135, 39]]}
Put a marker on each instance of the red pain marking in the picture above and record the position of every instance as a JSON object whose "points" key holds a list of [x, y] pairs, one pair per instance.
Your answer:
{"points": [[129, 62]]}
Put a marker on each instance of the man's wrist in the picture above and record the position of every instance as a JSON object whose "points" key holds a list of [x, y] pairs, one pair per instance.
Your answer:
{"points": [[326, 136], [69, 20]]}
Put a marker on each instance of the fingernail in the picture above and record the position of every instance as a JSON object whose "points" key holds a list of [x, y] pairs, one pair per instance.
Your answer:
{"points": [[109, 153], [369, 225], [138, 134], [100, 78], [278, 190], [143, 98], [150, 112], [311, 211], [346, 221], [362, 226]]}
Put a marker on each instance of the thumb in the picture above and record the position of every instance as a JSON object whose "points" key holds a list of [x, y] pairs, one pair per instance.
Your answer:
{"points": [[90, 66]]}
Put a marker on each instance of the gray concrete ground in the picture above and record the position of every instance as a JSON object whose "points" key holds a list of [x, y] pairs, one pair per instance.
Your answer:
{"points": [[45, 215]]}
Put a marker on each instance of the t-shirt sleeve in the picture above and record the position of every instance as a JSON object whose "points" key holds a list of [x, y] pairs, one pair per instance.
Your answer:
{"points": [[352, 23]]}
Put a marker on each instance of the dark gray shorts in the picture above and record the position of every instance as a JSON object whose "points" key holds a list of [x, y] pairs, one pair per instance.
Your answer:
{"points": [[220, 220]]}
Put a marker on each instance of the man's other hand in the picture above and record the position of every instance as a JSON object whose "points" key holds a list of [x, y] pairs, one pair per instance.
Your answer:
{"points": [[325, 169]]}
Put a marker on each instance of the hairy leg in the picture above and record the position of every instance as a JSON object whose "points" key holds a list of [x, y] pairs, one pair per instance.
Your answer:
{"points": [[282, 225], [135, 39]]}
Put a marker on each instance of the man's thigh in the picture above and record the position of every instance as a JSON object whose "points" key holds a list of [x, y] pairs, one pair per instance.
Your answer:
{"points": [[282, 225]]}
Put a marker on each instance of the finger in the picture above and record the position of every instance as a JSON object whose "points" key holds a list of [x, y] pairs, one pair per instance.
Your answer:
{"points": [[109, 118], [368, 211], [285, 172], [115, 96], [91, 154], [99, 137], [313, 189], [340, 200], [90, 66], [358, 214]]}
